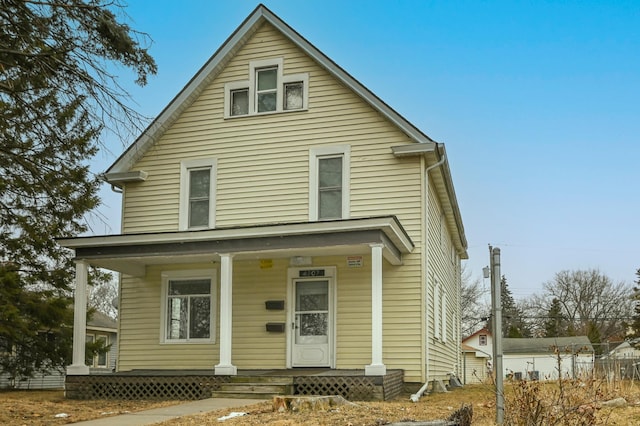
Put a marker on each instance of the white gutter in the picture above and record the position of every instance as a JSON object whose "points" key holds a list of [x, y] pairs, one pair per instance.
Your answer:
{"points": [[416, 396]]}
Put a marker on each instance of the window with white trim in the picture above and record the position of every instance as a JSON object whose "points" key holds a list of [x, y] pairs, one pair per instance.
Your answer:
{"points": [[197, 194], [443, 310], [99, 360], [437, 311], [188, 303], [268, 90], [482, 340], [329, 176]]}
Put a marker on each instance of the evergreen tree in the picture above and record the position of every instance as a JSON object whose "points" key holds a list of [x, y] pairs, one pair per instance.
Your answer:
{"points": [[634, 327], [555, 325], [513, 322], [57, 96]]}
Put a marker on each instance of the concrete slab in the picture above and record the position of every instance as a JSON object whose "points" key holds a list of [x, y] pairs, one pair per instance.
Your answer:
{"points": [[158, 415]]}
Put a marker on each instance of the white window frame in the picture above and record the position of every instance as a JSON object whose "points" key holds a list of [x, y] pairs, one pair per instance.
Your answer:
{"points": [[315, 154], [185, 168], [250, 84], [443, 310], [482, 337], [167, 276], [95, 361], [437, 311]]}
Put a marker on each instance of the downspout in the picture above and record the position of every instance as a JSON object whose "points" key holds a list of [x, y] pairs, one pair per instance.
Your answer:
{"points": [[416, 396]]}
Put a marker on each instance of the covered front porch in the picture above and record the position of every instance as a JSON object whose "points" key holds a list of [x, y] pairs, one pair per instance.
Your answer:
{"points": [[354, 385], [308, 253]]}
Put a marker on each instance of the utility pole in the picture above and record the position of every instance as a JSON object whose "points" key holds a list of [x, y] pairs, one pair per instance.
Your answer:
{"points": [[496, 308]]}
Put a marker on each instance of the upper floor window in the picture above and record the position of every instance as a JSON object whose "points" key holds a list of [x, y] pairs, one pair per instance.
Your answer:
{"points": [[267, 90], [197, 194], [482, 340], [329, 182]]}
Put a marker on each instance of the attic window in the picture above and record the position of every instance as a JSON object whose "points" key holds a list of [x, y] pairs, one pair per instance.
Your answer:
{"points": [[293, 95], [268, 90], [482, 340], [240, 102]]}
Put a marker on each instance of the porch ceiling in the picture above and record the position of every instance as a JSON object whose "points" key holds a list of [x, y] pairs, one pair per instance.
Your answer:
{"points": [[132, 253]]}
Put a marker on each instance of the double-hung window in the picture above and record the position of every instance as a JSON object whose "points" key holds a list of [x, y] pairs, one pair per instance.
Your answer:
{"points": [[188, 304], [267, 90], [329, 182], [197, 194]]}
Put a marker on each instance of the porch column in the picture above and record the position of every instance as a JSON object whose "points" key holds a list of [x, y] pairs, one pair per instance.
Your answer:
{"points": [[225, 368], [377, 367], [78, 366]]}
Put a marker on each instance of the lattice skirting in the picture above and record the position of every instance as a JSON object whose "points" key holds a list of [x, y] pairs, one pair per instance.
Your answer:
{"points": [[353, 388], [192, 387], [142, 387]]}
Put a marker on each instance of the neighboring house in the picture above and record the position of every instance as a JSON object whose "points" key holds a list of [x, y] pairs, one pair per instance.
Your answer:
{"points": [[100, 326], [477, 357], [543, 358], [276, 215], [103, 327], [622, 360], [626, 350]]}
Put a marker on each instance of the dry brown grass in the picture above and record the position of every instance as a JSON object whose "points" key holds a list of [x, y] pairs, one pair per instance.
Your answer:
{"points": [[40, 407]]}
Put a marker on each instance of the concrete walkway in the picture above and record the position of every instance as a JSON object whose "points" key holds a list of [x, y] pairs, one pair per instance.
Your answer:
{"points": [[158, 415]]}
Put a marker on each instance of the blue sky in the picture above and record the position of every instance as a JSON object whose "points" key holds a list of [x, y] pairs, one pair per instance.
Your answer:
{"points": [[536, 102]]}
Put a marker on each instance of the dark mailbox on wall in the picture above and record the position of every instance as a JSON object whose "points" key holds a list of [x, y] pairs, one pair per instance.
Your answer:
{"points": [[274, 305], [275, 327]]}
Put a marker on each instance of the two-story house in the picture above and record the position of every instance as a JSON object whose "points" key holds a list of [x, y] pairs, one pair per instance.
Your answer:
{"points": [[279, 216]]}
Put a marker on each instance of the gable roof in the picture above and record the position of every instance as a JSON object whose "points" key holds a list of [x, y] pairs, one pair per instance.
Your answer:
{"points": [[483, 330], [216, 64], [542, 345], [120, 171]]}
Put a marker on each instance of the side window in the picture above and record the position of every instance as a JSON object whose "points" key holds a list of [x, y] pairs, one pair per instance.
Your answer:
{"points": [[188, 305], [197, 194], [267, 90], [437, 311], [239, 101], [443, 310], [101, 359], [89, 338], [329, 178]]}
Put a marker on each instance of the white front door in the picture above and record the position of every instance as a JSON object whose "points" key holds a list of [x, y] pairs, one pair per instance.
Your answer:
{"points": [[312, 316]]}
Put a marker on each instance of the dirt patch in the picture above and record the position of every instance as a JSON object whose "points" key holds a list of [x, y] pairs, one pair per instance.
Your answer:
{"points": [[42, 407]]}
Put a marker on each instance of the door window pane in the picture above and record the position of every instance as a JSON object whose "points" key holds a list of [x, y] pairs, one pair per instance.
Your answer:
{"points": [[315, 324], [312, 296]]}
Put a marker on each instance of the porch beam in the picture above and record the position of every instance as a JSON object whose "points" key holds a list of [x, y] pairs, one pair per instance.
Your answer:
{"points": [[78, 366], [225, 367], [377, 367]]}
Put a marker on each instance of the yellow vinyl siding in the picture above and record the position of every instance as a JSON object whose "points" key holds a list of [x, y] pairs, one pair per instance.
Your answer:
{"points": [[250, 152], [444, 353], [262, 177]]}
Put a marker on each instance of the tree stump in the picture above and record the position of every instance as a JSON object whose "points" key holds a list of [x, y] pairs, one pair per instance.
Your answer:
{"points": [[307, 403]]}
